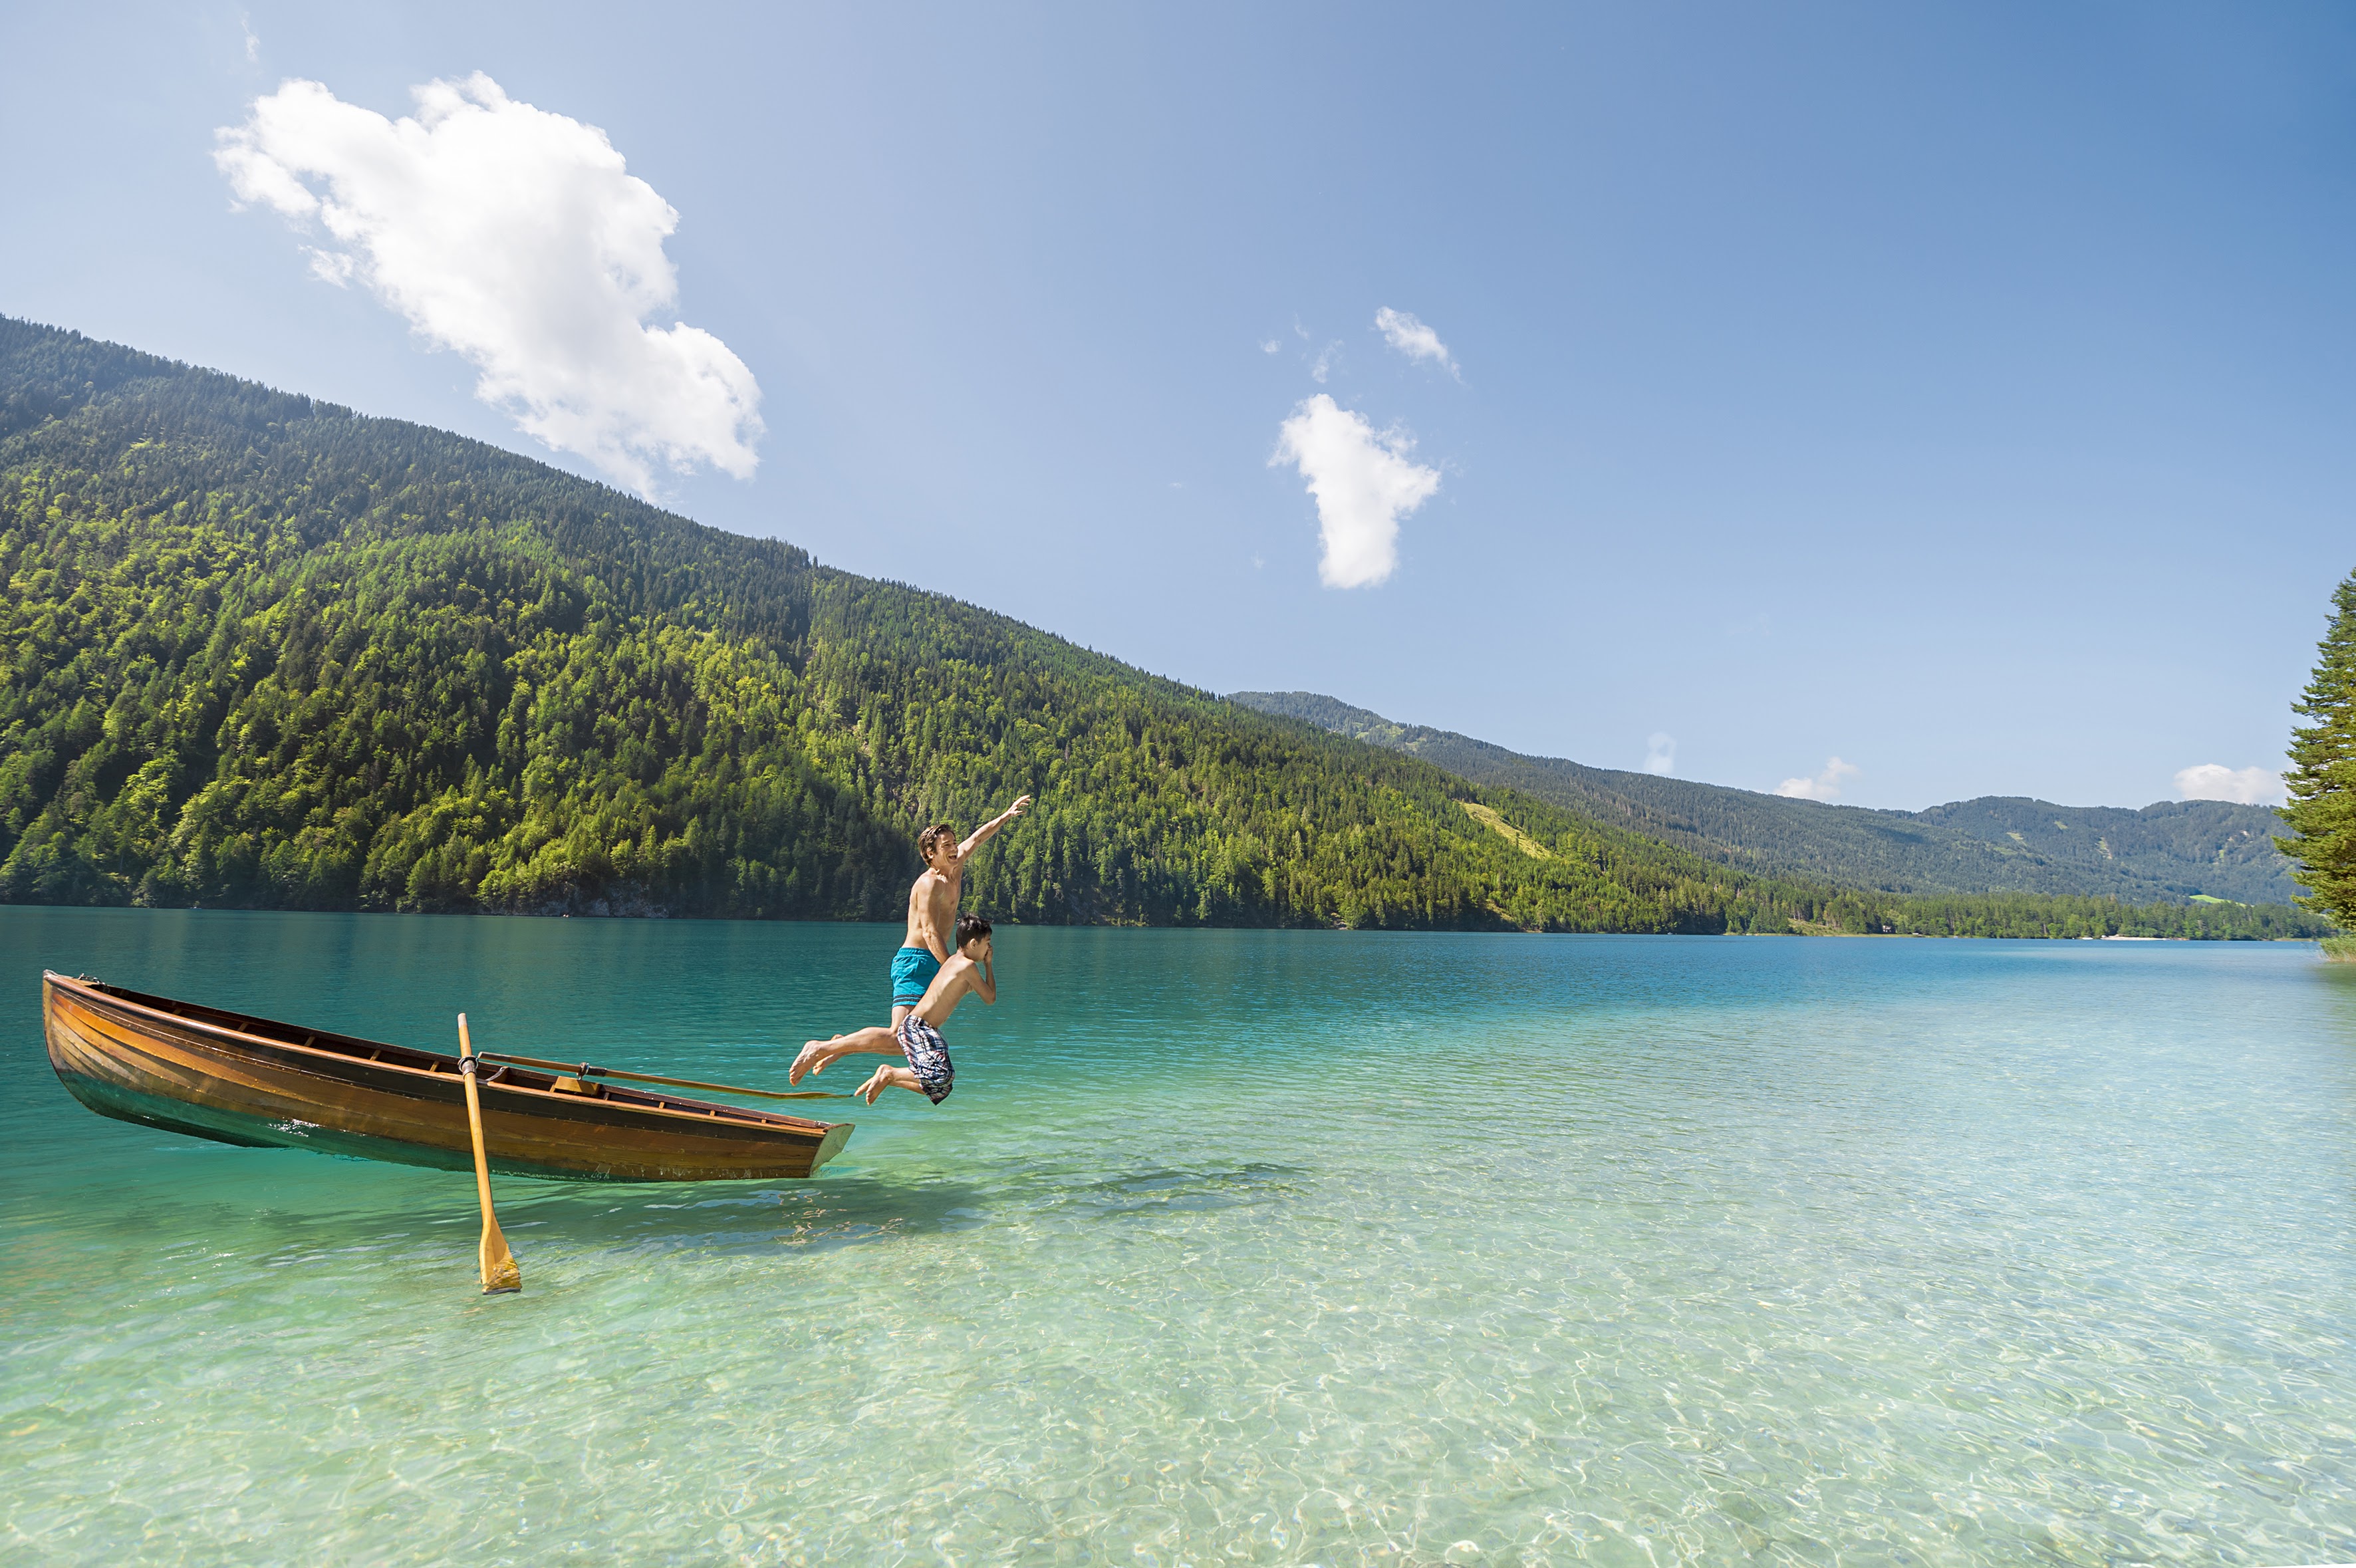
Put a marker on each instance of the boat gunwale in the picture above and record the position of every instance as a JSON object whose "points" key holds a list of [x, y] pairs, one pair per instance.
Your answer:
{"points": [[704, 1113]]}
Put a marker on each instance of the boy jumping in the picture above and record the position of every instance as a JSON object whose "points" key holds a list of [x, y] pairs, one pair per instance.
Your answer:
{"points": [[932, 915], [916, 1035]]}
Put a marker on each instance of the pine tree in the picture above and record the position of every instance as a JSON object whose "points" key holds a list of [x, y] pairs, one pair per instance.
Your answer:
{"points": [[2322, 812]]}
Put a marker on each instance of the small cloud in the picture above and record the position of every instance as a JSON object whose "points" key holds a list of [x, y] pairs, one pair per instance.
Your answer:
{"points": [[1269, 345], [252, 44], [1364, 484], [1322, 365], [1259, 561], [1661, 755], [2246, 786], [519, 239], [1414, 340], [1824, 785]]}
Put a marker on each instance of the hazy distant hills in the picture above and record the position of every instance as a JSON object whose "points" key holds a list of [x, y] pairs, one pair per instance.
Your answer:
{"points": [[2172, 850]]}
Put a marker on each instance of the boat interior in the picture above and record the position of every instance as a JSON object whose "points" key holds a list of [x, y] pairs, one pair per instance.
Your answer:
{"points": [[507, 1075]]}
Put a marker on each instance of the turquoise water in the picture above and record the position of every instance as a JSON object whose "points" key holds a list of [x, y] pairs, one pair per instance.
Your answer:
{"points": [[1230, 1246]]}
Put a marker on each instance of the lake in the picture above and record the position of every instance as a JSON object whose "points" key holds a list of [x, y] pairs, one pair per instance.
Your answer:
{"points": [[1229, 1247]]}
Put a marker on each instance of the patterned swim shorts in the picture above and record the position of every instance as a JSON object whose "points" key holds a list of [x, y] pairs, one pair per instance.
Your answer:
{"points": [[928, 1057]]}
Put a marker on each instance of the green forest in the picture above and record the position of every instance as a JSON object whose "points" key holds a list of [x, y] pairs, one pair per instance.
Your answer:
{"points": [[261, 651], [2162, 854], [2054, 915]]}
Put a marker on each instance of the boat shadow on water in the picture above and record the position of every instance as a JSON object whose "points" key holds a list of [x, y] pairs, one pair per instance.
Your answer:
{"points": [[743, 1217], [856, 1210], [287, 1207]]}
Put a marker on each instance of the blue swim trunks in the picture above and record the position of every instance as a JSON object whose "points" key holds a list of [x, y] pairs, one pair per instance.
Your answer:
{"points": [[912, 970]]}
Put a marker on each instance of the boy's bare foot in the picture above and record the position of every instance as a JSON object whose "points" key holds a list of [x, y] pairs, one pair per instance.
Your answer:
{"points": [[877, 1084], [803, 1065]]}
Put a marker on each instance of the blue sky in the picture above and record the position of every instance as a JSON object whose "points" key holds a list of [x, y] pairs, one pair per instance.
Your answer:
{"points": [[1963, 392]]}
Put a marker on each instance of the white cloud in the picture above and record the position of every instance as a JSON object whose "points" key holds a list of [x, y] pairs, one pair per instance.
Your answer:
{"points": [[1661, 755], [1323, 366], [1413, 338], [1364, 484], [1824, 785], [517, 238], [1269, 345], [252, 44], [2215, 781]]}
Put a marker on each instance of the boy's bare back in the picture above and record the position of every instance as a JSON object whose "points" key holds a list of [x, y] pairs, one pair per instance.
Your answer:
{"points": [[959, 978]]}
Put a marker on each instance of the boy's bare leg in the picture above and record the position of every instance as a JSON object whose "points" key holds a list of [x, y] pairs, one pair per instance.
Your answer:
{"points": [[884, 1078], [816, 1054]]}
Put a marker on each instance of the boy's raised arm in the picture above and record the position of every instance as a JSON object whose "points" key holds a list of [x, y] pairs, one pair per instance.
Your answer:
{"points": [[983, 833]]}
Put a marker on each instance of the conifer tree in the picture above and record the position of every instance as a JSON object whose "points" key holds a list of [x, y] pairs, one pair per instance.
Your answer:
{"points": [[2322, 778]]}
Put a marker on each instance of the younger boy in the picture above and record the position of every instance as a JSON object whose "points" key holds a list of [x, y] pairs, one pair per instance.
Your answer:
{"points": [[917, 1037]]}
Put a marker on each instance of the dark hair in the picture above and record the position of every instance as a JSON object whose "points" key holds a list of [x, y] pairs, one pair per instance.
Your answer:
{"points": [[933, 836], [971, 927]]}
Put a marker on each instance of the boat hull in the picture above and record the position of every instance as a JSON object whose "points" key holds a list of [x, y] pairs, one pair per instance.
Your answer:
{"points": [[259, 1083]]}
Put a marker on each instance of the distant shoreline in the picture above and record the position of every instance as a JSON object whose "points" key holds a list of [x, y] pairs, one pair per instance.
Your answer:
{"points": [[2336, 948]]}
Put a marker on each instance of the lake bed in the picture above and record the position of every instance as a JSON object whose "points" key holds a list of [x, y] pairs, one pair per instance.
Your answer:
{"points": [[1229, 1246]]}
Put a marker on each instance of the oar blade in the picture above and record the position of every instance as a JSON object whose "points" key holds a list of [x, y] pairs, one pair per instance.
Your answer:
{"points": [[501, 1272]]}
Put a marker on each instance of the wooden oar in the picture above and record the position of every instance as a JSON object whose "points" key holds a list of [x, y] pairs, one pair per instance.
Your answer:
{"points": [[583, 1069], [499, 1270]]}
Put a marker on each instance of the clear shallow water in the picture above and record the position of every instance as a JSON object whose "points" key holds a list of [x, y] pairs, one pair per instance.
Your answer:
{"points": [[1229, 1248]]}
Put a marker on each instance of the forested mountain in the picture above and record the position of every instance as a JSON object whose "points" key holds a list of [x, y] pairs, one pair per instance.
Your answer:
{"points": [[259, 651], [262, 651], [2168, 852]]}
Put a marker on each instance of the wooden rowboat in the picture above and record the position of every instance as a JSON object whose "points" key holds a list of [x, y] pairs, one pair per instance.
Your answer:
{"points": [[246, 1081]]}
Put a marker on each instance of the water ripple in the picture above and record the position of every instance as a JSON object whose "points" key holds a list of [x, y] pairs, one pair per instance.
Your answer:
{"points": [[1233, 1248]]}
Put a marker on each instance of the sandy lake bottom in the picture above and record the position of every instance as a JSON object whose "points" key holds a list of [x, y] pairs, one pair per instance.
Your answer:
{"points": [[1230, 1246]]}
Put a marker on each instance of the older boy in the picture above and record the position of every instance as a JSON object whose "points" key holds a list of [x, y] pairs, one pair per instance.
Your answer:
{"points": [[932, 914], [915, 1036], [933, 905]]}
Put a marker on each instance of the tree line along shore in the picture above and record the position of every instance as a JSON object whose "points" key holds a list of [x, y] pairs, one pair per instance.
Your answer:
{"points": [[260, 651]]}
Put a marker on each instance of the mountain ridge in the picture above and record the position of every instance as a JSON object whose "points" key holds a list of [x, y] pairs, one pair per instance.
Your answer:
{"points": [[261, 651], [2170, 851]]}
